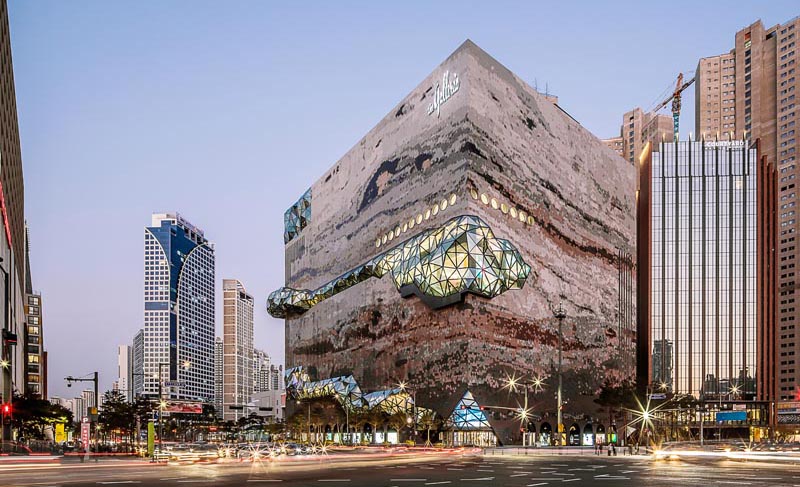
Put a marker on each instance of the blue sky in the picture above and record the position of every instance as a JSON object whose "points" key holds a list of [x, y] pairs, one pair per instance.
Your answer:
{"points": [[228, 111]]}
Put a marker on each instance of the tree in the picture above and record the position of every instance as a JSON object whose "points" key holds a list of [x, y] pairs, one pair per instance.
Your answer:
{"points": [[30, 415], [616, 397], [397, 421], [358, 419], [118, 416], [429, 421]]}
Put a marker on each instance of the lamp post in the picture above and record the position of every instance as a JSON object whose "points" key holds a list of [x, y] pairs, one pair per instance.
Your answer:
{"points": [[161, 402], [511, 384], [308, 425], [413, 393], [560, 314]]}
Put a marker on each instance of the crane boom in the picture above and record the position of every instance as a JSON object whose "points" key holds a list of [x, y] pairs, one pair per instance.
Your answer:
{"points": [[675, 98]]}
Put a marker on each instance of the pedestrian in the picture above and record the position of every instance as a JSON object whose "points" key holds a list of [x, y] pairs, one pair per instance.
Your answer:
{"points": [[614, 449]]}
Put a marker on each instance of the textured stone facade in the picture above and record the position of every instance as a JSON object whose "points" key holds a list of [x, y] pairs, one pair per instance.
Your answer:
{"points": [[496, 149]]}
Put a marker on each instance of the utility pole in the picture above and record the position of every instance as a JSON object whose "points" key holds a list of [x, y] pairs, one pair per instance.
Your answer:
{"points": [[161, 408], [96, 408], [560, 314]]}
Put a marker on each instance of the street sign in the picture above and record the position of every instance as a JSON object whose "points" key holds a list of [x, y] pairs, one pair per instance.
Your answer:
{"points": [[174, 383], [659, 395], [85, 419]]}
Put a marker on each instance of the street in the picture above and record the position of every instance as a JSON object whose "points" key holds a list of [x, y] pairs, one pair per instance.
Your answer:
{"points": [[454, 469]]}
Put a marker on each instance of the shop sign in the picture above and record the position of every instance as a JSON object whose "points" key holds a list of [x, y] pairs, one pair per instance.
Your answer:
{"points": [[448, 87]]}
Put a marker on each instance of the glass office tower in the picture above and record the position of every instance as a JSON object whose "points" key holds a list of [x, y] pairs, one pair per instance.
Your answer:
{"points": [[178, 310], [703, 269]]}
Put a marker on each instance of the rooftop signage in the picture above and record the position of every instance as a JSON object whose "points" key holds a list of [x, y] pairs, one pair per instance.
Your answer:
{"points": [[725, 143], [448, 87]]}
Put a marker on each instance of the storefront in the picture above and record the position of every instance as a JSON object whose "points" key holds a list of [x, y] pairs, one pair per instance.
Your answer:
{"points": [[467, 425]]}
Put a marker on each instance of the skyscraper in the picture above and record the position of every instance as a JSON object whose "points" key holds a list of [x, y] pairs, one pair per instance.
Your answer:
{"points": [[237, 368], [640, 127], [35, 354], [715, 96], [261, 364], [759, 82], [218, 361], [124, 382], [706, 220], [36, 378], [12, 242], [616, 144], [275, 377], [178, 309]]}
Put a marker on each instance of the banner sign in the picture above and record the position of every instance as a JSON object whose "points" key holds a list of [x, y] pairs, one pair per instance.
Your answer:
{"points": [[85, 425], [60, 436], [151, 437]]}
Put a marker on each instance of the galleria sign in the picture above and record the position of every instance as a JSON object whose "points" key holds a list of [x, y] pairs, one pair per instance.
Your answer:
{"points": [[443, 92]]}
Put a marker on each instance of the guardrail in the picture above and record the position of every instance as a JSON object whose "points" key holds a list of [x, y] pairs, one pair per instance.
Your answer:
{"points": [[560, 451]]}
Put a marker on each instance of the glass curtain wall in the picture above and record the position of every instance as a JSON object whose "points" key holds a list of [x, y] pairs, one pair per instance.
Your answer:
{"points": [[703, 261]]}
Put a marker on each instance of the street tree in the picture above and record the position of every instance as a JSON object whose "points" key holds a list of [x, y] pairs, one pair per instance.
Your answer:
{"points": [[31, 415]]}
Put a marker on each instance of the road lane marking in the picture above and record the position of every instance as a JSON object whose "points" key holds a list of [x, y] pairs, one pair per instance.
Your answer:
{"points": [[108, 482], [265, 480], [333, 480], [535, 485], [407, 480], [438, 483], [480, 479]]}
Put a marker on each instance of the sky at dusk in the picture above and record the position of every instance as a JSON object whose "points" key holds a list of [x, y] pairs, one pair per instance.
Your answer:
{"points": [[228, 111]]}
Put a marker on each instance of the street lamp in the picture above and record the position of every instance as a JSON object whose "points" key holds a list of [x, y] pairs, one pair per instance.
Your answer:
{"points": [[308, 426], [524, 413], [560, 314], [403, 385]]}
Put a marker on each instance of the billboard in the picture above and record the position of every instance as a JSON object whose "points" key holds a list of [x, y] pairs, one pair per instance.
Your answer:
{"points": [[732, 416], [185, 407], [789, 412]]}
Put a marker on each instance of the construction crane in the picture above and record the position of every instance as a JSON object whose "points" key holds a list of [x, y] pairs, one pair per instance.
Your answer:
{"points": [[675, 98]]}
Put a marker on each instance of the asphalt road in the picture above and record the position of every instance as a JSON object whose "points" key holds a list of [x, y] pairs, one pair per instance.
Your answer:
{"points": [[471, 470]]}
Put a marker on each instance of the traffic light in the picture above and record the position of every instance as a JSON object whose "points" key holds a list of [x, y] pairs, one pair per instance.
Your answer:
{"points": [[6, 411]]}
